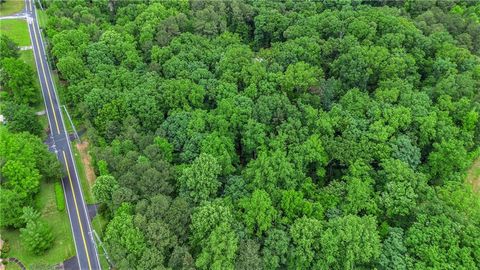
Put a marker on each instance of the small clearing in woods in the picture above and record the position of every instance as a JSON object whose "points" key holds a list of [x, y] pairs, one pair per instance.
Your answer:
{"points": [[87, 161], [474, 175]]}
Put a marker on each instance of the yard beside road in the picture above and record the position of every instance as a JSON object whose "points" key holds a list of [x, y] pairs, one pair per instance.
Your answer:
{"points": [[17, 30], [10, 7]]}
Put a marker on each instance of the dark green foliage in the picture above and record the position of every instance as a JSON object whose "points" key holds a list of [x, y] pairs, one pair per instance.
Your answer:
{"points": [[275, 249], [278, 134], [16, 78], [8, 47], [248, 257], [21, 117], [393, 251]]}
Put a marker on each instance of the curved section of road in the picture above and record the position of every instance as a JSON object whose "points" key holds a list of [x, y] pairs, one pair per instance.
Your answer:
{"points": [[80, 223]]}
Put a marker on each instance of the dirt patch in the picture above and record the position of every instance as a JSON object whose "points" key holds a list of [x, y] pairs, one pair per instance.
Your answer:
{"points": [[474, 175], [87, 161]]}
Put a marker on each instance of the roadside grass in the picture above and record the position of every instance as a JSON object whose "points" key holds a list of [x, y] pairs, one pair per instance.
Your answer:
{"points": [[17, 30], [62, 248], [99, 223], [42, 18], [86, 188], [68, 125], [27, 57], [10, 7]]}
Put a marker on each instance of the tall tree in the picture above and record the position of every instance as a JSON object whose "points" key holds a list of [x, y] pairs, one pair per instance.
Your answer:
{"points": [[259, 213], [37, 234], [199, 181], [17, 79]]}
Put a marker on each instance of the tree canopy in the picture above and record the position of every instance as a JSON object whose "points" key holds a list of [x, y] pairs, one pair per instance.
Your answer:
{"points": [[277, 134], [24, 162]]}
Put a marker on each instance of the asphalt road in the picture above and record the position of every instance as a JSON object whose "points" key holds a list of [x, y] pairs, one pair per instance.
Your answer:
{"points": [[81, 228]]}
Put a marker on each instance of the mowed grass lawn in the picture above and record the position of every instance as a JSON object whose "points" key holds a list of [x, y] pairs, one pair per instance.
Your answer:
{"points": [[27, 57], [63, 247], [10, 7], [17, 30]]}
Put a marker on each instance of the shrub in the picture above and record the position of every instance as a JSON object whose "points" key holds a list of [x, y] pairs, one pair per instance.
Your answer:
{"points": [[37, 236], [59, 198]]}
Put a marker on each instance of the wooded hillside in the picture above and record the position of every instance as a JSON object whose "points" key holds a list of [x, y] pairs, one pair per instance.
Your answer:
{"points": [[278, 135]]}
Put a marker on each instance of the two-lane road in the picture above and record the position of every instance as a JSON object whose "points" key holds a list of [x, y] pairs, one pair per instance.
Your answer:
{"points": [[81, 228]]}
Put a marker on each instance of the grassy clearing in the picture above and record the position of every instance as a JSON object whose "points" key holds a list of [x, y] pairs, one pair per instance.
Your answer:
{"points": [[17, 30], [10, 7], [27, 57], [63, 247]]}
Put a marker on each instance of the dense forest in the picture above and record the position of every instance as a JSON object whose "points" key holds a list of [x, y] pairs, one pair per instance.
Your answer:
{"points": [[278, 135]]}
